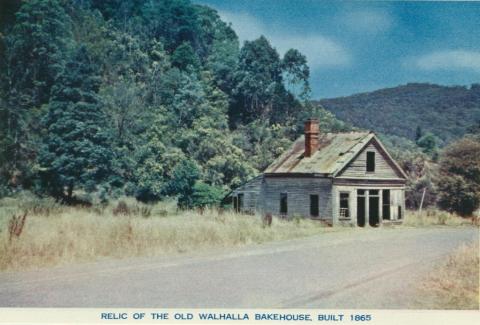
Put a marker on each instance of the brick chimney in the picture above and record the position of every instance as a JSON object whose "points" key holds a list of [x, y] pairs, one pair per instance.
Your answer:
{"points": [[311, 136]]}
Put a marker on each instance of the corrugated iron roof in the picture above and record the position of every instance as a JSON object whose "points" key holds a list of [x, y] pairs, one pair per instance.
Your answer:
{"points": [[335, 149]]}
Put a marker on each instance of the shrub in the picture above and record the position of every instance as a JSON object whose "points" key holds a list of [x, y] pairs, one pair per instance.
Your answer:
{"points": [[459, 184], [143, 210], [267, 220], [458, 195], [433, 217], [15, 226], [185, 175], [205, 195], [121, 209], [36, 205], [4, 190]]}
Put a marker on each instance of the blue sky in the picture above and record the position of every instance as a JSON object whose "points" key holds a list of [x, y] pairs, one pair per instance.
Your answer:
{"points": [[355, 46]]}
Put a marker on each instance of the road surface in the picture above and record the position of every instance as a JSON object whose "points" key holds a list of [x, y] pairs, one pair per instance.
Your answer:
{"points": [[358, 268]]}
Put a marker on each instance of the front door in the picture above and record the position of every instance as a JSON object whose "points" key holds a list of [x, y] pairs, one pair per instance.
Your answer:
{"points": [[368, 207], [373, 208]]}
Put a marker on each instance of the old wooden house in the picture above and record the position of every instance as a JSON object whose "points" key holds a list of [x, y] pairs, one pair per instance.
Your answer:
{"points": [[335, 177]]}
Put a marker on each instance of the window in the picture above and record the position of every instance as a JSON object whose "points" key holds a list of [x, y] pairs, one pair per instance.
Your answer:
{"points": [[314, 205], [399, 212], [344, 205], [370, 161], [283, 203], [386, 204]]}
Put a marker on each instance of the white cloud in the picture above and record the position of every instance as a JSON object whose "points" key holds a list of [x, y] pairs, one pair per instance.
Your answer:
{"points": [[320, 50], [449, 60], [245, 25], [367, 21]]}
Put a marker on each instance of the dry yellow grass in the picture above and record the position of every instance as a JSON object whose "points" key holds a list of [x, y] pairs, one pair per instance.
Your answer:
{"points": [[434, 217], [61, 235], [56, 234], [455, 284]]}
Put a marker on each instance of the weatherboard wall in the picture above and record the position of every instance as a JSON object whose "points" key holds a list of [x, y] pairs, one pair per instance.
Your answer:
{"points": [[251, 194], [357, 168], [298, 190]]}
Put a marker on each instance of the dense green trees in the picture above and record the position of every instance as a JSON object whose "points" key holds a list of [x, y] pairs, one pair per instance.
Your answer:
{"points": [[147, 98], [428, 144], [205, 195], [448, 178], [158, 99], [36, 50], [36, 47], [422, 173], [172, 22], [296, 73], [185, 57], [183, 180], [260, 82], [459, 184], [257, 80], [76, 151]]}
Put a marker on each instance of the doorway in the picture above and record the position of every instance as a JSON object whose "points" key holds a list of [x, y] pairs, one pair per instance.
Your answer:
{"points": [[368, 207], [373, 208], [314, 211], [386, 204], [361, 195]]}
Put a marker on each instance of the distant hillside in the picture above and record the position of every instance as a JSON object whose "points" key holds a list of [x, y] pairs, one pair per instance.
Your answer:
{"points": [[447, 112]]}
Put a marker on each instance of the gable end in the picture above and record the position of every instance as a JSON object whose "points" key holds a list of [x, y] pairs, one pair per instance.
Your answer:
{"points": [[385, 165]]}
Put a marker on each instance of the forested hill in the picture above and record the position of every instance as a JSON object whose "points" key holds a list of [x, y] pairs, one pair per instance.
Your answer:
{"points": [[149, 98], [447, 112]]}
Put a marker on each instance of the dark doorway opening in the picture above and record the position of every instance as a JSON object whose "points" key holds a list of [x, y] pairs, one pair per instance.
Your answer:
{"points": [[361, 208], [314, 205], [386, 204], [373, 208], [235, 204], [283, 204], [238, 202]]}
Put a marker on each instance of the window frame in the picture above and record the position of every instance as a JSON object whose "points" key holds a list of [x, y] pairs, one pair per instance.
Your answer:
{"points": [[349, 216]]}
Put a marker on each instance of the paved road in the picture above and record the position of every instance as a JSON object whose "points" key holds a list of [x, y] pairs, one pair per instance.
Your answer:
{"points": [[362, 268]]}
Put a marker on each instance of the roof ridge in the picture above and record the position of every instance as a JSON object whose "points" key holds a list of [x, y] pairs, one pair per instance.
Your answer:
{"points": [[337, 148], [349, 132]]}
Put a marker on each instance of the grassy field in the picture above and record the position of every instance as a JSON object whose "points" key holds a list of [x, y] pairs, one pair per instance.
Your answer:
{"points": [[455, 284], [434, 217], [53, 234]]}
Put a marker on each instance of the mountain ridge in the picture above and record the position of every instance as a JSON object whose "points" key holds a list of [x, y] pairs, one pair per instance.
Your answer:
{"points": [[446, 111]]}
